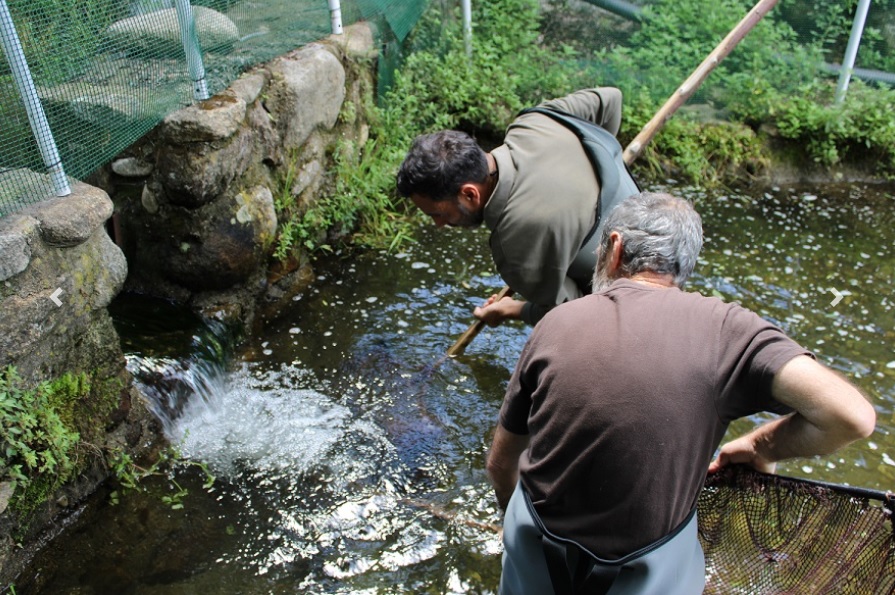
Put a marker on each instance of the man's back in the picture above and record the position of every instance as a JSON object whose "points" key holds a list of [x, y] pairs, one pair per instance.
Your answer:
{"points": [[626, 394], [543, 206], [546, 199]]}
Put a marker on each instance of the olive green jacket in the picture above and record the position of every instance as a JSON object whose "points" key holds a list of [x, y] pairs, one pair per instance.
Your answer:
{"points": [[545, 201]]}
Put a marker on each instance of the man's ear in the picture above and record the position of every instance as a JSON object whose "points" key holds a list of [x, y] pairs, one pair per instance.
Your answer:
{"points": [[471, 194], [614, 256]]}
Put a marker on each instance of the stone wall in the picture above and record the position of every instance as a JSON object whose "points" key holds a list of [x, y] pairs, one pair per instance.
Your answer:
{"points": [[59, 270], [192, 219], [201, 229]]}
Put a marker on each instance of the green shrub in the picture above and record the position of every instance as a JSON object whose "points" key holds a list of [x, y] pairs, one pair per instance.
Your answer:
{"points": [[35, 439], [677, 35], [40, 447], [860, 129], [829, 23], [441, 85]]}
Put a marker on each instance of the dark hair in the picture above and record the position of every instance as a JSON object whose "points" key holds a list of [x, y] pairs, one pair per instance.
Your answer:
{"points": [[660, 233], [438, 164]]}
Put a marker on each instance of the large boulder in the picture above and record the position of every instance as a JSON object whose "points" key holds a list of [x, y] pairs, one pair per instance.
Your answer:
{"points": [[214, 247], [306, 91], [59, 268], [197, 173], [157, 34]]}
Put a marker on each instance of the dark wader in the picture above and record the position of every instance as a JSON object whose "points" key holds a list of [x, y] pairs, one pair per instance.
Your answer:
{"points": [[616, 184], [538, 563]]}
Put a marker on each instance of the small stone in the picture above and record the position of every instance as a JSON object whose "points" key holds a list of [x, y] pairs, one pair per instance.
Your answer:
{"points": [[15, 254], [148, 200], [7, 488], [131, 167]]}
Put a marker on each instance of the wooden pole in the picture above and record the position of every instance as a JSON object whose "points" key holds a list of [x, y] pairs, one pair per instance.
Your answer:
{"points": [[677, 99], [460, 346]]}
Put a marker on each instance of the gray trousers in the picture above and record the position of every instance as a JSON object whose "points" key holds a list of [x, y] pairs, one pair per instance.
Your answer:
{"points": [[677, 567]]}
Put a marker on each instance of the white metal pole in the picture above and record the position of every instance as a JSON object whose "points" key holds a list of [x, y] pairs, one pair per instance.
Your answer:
{"points": [[191, 48], [335, 15], [21, 74], [467, 25], [851, 51]]}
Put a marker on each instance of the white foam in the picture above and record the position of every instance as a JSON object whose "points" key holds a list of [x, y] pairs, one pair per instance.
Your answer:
{"points": [[264, 424]]}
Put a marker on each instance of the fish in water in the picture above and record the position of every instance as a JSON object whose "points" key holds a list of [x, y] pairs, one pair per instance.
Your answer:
{"points": [[395, 400]]}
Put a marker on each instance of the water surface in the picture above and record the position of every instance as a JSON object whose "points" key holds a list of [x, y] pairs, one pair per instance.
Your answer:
{"points": [[350, 453]]}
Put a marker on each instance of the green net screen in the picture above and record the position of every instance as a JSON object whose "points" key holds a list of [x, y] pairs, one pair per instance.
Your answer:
{"points": [[103, 73]]}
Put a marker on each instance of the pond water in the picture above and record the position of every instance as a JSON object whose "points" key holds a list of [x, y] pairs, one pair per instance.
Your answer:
{"points": [[350, 453]]}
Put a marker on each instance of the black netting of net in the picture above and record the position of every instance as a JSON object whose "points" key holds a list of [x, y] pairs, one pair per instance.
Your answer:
{"points": [[767, 534]]}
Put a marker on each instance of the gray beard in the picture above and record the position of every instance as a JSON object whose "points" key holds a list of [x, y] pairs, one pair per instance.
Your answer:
{"points": [[600, 280]]}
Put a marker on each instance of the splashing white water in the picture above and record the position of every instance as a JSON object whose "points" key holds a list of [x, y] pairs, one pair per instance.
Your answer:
{"points": [[263, 423]]}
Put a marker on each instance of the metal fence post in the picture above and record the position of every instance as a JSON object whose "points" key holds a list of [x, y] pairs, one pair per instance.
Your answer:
{"points": [[191, 49], [335, 14], [21, 74], [851, 52], [467, 25]]}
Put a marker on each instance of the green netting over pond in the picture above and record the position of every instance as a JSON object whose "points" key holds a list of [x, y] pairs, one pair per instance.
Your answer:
{"points": [[105, 72], [766, 534]]}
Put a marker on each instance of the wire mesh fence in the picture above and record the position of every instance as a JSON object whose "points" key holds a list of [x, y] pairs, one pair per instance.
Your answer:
{"points": [[103, 73]]}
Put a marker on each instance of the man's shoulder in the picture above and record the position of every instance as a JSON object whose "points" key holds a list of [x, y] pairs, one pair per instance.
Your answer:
{"points": [[729, 317], [677, 299]]}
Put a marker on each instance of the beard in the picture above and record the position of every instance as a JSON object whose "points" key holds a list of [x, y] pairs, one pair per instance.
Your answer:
{"points": [[469, 218], [601, 279]]}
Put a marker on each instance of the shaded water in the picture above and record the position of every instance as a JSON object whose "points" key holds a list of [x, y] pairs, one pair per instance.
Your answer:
{"points": [[350, 454]]}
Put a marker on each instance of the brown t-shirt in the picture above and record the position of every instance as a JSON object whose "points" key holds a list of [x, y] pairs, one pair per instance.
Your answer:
{"points": [[626, 395]]}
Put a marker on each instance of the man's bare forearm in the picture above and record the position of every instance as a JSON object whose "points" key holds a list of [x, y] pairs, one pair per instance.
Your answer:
{"points": [[503, 463], [830, 413]]}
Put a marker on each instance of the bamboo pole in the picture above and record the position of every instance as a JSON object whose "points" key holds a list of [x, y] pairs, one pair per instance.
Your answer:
{"points": [[683, 93], [460, 346], [671, 105]]}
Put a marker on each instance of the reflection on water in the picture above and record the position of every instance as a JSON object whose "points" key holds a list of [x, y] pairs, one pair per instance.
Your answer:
{"points": [[350, 453], [781, 254]]}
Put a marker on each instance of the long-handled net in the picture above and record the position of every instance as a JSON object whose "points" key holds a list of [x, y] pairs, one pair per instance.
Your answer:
{"points": [[767, 534]]}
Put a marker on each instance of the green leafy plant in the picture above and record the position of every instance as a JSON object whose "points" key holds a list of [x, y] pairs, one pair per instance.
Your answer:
{"points": [[770, 81], [288, 216], [130, 476], [441, 85], [362, 208], [860, 129], [40, 449], [35, 440], [676, 36]]}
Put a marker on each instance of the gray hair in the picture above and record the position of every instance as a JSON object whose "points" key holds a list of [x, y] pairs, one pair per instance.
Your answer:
{"points": [[660, 233]]}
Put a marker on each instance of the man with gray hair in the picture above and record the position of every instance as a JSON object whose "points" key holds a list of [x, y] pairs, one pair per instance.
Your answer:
{"points": [[619, 402]]}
